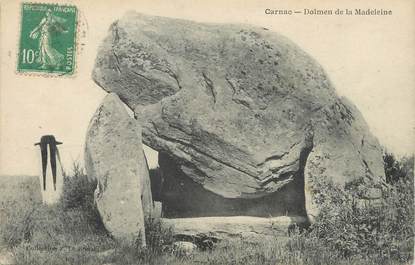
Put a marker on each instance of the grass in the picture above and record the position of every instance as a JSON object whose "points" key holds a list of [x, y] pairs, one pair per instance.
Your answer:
{"points": [[71, 231], [268, 253], [18, 195]]}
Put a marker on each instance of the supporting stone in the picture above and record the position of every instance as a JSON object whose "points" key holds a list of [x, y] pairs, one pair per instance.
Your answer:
{"points": [[114, 156]]}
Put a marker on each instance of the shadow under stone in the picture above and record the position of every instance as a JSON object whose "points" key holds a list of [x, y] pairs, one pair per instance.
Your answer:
{"points": [[182, 197]]}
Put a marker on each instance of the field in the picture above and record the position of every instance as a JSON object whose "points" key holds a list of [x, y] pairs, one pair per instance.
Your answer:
{"points": [[25, 189], [71, 231]]}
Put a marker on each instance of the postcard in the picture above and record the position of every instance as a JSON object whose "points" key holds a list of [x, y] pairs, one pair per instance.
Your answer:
{"points": [[195, 132]]}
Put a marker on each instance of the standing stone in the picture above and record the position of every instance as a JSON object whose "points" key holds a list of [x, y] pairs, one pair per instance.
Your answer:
{"points": [[115, 158], [344, 151]]}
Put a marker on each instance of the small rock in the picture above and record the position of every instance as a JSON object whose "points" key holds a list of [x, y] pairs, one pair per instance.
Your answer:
{"points": [[157, 210], [373, 194], [7, 258], [183, 248], [106, 253]]}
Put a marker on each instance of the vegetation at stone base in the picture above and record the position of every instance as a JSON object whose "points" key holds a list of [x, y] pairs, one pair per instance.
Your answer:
{"points": [[346, 231], [78, 195], [381, 230]]}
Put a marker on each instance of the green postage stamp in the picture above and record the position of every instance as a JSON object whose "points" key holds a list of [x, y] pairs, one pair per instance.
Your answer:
{"points": [[47, 39]]}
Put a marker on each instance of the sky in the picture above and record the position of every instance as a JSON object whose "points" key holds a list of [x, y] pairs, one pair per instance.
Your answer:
{"points": [[369, 59]]}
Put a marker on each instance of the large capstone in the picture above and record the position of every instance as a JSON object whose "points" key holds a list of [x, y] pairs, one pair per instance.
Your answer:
{"points": [[114, 157], [241, 112]]}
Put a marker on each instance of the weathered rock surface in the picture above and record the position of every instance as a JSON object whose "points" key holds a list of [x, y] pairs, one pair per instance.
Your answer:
{"points": [[114, 156], [217, 229], [242, 111], [344, 151]]}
